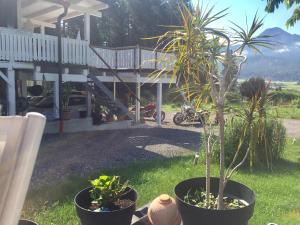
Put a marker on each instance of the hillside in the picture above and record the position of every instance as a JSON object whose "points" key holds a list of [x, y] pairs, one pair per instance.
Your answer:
{"points": [[281, 63]]}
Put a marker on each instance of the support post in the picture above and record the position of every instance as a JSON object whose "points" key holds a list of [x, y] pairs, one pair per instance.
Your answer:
{"points": [[87, 27], [88, 97], [159, 103], [115, 89], [137, 103], [11, 92], [56, 99], [60, 66], [42, 31], [87, 37], [19, 14]]}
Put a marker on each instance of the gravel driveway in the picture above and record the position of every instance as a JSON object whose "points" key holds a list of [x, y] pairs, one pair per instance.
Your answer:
{"points": [[64, 155], [292, 128]]}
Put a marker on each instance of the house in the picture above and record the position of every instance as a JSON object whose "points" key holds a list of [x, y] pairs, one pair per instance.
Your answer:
{"points": [[30, 56]]}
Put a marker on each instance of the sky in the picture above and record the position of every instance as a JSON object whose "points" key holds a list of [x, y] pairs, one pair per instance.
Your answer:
{"points": [[238, 9]]}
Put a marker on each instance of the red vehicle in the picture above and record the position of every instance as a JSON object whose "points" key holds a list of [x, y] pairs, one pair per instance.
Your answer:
{"points": [[149, 111]]}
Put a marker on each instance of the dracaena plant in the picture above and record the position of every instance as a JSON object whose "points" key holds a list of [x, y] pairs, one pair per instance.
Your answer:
{"points": [[106, 190], [208, 63]]}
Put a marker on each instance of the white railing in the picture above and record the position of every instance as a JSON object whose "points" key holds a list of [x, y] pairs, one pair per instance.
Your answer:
{"points": [[108, 55], [18, 45], [74, 51], [23, 46]]}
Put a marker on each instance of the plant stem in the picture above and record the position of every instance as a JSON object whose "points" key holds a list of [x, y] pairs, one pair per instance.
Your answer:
{"points": [[208, 165], [222, 155]]}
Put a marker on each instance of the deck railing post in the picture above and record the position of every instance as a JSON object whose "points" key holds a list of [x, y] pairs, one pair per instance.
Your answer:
{"points": [[155, 60], [159, 102], [11, 92], [116, 59]]}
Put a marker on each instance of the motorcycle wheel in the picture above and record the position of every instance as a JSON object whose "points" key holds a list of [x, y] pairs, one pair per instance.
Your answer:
{"points": [[163, 115], [178, 118]]}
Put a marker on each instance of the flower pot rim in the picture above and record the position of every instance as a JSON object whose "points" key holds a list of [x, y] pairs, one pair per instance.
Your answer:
{"points": [[106, 212], [232, 181], [27, 220]]}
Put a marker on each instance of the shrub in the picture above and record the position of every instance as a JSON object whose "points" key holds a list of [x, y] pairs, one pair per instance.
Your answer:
{"points": [[268, 149], [252, 87], [285, 96], [296, 102]]}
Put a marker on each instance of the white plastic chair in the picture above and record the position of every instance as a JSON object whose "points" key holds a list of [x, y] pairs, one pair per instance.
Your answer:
{"points": [[20, 139]]}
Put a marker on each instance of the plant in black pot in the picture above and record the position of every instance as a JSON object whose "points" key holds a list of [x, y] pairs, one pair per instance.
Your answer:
{"points": [[208, 64], [107, 202]]}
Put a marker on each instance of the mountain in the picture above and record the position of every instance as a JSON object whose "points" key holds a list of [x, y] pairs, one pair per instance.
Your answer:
{"points": [[281, 36], [282, 62]]}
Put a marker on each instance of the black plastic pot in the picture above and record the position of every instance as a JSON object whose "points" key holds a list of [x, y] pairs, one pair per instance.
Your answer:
{"points": [[82, 114], [26, 222], [117, 217], [97, 118], [192, 215]]}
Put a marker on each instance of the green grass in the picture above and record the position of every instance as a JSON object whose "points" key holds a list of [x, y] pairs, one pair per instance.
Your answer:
{"points": [[287, 85], [171, 107], [285, 112], [277, 192]]}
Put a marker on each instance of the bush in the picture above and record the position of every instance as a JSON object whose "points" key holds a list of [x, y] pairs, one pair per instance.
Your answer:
{"points": [[268, 150], [286, 96], [252, 87], [296, 102]]}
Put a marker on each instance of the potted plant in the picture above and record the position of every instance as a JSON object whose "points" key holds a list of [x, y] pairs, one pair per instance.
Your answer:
{"points": [[108, 201], [67, 91], [207, 66]]}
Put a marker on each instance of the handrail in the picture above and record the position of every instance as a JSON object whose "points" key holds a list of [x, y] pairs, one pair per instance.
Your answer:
{"points": [[24, 46], [115, 74]]}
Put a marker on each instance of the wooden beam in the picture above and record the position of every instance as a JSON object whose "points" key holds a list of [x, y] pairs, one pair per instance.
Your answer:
{"points": [[2, 75], [69, 16], [26, 3], [43, 11], [91, 10], [40, 23]]}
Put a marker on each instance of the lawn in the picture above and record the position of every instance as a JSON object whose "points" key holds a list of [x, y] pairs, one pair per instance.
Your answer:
{"points": [[285, 112], [171, 107], [277, 192], [286, 85]]}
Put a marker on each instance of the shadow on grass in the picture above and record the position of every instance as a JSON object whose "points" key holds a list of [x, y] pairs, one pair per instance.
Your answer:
{"points": [[280, 167], [51, 195]]}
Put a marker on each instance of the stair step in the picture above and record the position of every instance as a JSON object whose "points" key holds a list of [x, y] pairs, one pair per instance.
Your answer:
{"points": [[102, 90]]}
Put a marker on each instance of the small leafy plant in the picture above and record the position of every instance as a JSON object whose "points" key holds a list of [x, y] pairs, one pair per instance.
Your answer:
{"points": [[106, 192], [198, 198]]}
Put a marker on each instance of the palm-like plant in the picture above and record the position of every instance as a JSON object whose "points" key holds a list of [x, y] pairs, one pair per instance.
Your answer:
{"points": [[208, 64]]}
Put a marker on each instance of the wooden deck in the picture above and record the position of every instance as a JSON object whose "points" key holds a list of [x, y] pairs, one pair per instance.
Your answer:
{"points": [[21, 46]]}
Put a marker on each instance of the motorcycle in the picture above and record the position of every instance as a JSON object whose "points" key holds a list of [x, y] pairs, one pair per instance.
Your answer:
{"points": [[189, 114], [149, 111]]}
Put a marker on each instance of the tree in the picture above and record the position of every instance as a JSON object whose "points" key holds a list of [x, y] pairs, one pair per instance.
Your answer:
{"points": [[208, 65], [127, 22], [272, 5]]}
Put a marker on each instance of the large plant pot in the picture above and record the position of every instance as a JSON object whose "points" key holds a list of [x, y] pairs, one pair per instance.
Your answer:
{"points": [[192, 215], [118, 217], [67, 115], [83, 114], [26, 222], [97, 118]]}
